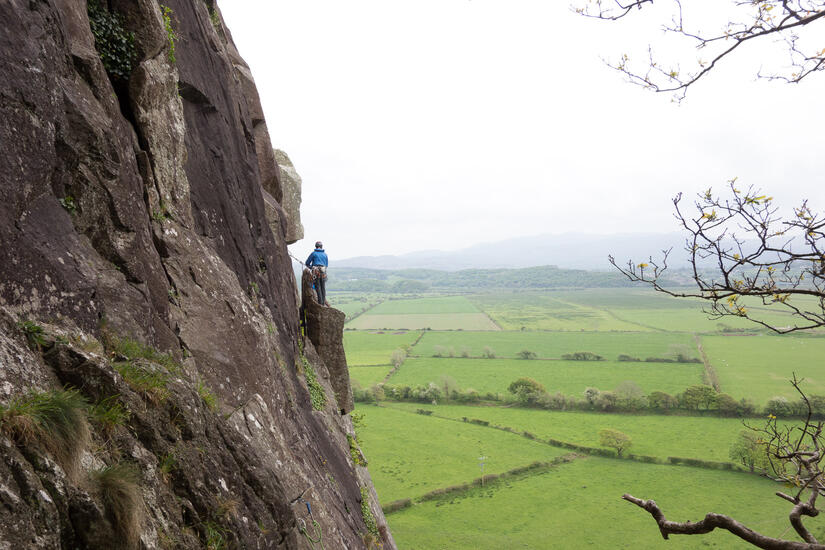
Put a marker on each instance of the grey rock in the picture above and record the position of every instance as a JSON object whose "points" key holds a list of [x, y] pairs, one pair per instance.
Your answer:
{"points": [[325, 329], [291, 202]]}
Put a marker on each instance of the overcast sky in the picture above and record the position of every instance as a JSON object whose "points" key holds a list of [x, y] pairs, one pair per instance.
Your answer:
{"points": [[438, 124]]}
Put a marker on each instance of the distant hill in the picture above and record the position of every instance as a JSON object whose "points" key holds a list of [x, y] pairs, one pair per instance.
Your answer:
{"points": [[422, 280], [567, 251]]}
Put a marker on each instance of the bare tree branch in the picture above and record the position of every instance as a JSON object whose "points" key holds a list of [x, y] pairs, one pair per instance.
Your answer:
{"points": [[752, 21], [741, 248]]}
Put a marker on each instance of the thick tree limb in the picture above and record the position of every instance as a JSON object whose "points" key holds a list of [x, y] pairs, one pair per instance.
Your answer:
{"points": [[720, 521]]}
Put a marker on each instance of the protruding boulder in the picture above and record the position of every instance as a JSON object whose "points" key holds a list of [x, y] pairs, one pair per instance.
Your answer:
{"points": [[325, 329], [291, 202]]}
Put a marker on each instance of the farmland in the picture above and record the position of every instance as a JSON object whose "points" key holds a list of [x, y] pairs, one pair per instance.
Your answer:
{"points": [[552, 345], [638, 343], [442, 313], [568, 377], [653, 435]]}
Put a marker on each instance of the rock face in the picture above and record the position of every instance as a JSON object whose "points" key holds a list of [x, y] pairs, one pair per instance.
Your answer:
{"points": [[325, 328], [291, 188], [137, 264]]}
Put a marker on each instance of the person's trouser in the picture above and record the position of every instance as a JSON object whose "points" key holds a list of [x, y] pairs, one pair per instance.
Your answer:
{"points": [[321, 290]]}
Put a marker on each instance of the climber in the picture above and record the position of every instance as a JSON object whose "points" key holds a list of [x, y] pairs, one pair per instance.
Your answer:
{"points": [[317, 263]]}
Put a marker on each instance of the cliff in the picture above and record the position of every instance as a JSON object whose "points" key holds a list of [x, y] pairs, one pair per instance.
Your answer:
{"points": [[157, 388]]}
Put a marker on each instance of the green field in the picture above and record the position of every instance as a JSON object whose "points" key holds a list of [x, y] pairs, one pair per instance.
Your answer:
{"points": [[439, 313], [611, 309], [553, 344], [541, 311], [414, 321], [568, 377], [375, 348], [366, 377], [410, 454], [579, 505], [428, 306], [759, 367], [706, 438], [576, 504]]}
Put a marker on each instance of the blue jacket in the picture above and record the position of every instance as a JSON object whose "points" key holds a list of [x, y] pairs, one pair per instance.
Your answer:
{"points": [[318, 257]]}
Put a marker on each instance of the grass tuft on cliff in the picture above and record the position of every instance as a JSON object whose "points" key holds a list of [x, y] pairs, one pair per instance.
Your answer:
{"points": [[55, 419], [129, 349], [207, 395], [109, 413], [118, 486], [142, 379]]}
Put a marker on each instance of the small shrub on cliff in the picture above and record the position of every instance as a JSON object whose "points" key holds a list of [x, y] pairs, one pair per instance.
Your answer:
{"points": [[114, 44], [316, 391], [355, 451], [55, 419], [118, 487], [166, 12], [34, 334], [215, 18], [369, 519], [69, 204]]}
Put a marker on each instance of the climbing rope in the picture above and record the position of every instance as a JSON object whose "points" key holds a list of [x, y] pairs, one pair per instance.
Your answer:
{"points": [[302, 528], [296, 259]]}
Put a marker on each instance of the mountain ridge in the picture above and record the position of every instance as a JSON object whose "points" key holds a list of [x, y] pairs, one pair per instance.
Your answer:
{"points": [[565, 251]]}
